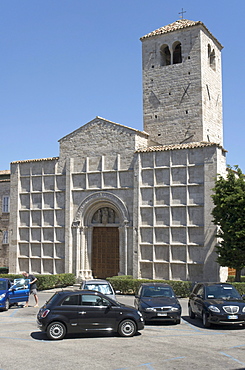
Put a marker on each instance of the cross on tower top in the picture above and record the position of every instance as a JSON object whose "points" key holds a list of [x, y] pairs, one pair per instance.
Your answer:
{"points": [[182, 13]]}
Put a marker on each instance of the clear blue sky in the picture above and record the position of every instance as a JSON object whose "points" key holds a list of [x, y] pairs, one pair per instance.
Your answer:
{"points": [[64, 62]]}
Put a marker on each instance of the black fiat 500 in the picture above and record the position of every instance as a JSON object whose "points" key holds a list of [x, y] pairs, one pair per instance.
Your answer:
{"points": [[87, 311], [157, 302], [216, 303]]}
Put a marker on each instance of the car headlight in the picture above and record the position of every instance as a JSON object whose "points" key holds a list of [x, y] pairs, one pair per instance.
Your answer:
{"points": [[174, 308], [150, 309], [2, 295], [243, 310], [213, 308]]}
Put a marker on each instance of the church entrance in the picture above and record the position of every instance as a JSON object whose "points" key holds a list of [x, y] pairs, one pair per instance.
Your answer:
{"points": [[105, 252]]}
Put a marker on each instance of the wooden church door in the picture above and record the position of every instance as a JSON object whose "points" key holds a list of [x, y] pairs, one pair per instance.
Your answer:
{"points": [[105, 252]]}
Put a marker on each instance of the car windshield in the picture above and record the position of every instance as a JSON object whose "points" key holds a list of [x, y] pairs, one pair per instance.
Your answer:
{"points": [[3, 285], [102, 288], [157, 291], [222, 292]]}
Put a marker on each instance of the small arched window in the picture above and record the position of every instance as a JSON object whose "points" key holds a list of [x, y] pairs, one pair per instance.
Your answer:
{"points": [[211, 57], [165, 55], [177, 55]]}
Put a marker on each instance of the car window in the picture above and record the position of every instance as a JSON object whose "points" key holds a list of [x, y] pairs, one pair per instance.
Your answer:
{"points": [[20, 284], [102, 288], [156, 291], [94, 300], [71, 300], [200, 291], [3, 284]]}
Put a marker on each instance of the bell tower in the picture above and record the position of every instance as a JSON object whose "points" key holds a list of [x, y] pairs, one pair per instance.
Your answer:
{"points": [[182, 86]]}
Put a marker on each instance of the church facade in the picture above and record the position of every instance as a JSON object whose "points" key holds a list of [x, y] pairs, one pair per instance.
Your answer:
{"points": [[119, 201]]}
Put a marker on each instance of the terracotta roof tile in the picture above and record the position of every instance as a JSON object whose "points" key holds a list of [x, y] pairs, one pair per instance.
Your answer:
{"points": [[178, 25], [160, 148], [5, 172], [37, 160]]}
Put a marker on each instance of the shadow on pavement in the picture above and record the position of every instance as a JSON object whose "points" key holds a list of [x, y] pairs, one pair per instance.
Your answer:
{"points": [[198, 324], [38, 335]]}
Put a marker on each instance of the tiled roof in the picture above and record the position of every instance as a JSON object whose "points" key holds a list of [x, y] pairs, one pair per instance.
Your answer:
{"points": [[37, 160], [160, 148], [5, 172], [178, 25]]}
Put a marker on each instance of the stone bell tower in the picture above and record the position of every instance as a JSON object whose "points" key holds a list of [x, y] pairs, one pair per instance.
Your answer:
{"points": [[182, 86]]}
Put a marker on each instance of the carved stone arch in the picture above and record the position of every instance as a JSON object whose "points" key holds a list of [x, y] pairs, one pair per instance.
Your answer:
{"points": [[93, 202], [83, 230]]}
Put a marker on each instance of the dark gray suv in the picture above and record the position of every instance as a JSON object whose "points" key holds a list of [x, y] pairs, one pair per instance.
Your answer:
{"points": [[87, 311]]}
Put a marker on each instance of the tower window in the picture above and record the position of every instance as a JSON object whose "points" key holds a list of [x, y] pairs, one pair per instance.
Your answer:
{"points": [[177, 56], [211, 57], [165, 56]]}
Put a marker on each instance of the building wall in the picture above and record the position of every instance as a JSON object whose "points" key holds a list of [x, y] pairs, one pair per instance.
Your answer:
{"points": [[176, 237], [4, 218]]}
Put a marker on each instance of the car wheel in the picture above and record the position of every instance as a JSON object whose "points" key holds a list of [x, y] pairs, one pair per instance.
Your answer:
{"points": [[205, 322], [56, 330], [191, 313], [127, 328], [6, 307]]}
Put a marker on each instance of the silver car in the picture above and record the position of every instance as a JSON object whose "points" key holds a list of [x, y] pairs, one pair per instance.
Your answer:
{"points": [[102, 286]]}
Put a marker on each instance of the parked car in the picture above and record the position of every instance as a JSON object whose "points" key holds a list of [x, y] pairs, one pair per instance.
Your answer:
{"points": [[13, 293], [87, 311], [102, 286], [216, 303], [158, 302]]}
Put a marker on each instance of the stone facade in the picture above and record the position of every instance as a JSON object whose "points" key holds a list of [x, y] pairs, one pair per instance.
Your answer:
{"points": [[4, 217], [123, 201]]}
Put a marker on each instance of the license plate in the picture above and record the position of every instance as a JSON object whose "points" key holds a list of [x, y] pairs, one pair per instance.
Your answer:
{"points": [[161, 314], [232, 317]]}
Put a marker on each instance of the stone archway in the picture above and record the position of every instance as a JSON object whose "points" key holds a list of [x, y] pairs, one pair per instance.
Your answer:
{"points": [[108, 214]]}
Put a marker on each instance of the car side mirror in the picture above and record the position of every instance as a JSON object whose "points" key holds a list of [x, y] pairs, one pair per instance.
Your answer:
{"points": [[12, 289], [137, 296]]}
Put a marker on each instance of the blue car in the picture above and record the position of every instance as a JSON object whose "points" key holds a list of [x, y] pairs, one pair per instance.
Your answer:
{"points": [[13, 293]]}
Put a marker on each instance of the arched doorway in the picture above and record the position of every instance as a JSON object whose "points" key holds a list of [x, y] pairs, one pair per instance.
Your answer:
{"points": [[99, 232], [105, 243]]}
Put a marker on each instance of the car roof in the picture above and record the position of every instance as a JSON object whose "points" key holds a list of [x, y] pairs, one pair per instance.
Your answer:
{"points": [[96, 281], [5, 279], [156, 284], [77, 291], [214, 283]]}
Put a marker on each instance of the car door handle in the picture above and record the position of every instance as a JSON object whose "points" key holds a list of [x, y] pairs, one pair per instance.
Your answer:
{"points": [[81, 312]]}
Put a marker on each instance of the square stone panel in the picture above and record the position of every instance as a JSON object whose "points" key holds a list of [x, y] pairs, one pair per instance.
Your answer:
{"points": [[146, 235], [161, 271], [146, 270], [147, 178], [146, 216], [178, 271]]}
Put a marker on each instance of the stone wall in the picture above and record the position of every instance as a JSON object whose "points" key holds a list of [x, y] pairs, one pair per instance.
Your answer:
{"points": [[4, 218], [183, 101]]}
